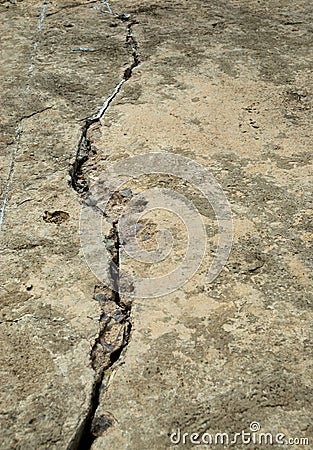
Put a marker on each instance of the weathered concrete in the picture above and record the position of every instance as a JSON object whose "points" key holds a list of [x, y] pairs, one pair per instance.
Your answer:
{"points": [[227, 84]]}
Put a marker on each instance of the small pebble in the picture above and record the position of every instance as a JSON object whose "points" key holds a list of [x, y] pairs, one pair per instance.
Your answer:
{"points": [[109, 244], [29, 287], [118, 316], [126, 193], [99, 297]]}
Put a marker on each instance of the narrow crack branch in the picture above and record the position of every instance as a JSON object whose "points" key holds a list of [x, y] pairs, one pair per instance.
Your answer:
{"points": [[8, 182], [28, 116]]}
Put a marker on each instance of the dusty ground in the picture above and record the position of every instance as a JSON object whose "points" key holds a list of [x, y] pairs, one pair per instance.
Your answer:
{"points": [[225, 83]]}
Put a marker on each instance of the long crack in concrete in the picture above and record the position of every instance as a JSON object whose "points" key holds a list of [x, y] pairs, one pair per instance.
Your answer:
{"points": [[114, 322]]}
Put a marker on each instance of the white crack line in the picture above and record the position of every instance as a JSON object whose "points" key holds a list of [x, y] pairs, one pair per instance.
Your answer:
{"points": [[19, 129], [7, 186], [129, 38], [36, 43], [107, 5], [107, 102]]}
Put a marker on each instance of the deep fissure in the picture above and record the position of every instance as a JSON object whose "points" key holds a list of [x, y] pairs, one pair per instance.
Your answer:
{"points": [[114, 312]]}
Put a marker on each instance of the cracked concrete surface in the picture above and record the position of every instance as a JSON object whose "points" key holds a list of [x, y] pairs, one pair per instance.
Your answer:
{"points": [[226, 83], [49, 319]]}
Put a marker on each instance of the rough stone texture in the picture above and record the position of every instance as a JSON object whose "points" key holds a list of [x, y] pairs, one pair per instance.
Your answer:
{"points": [[227, 84]]}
